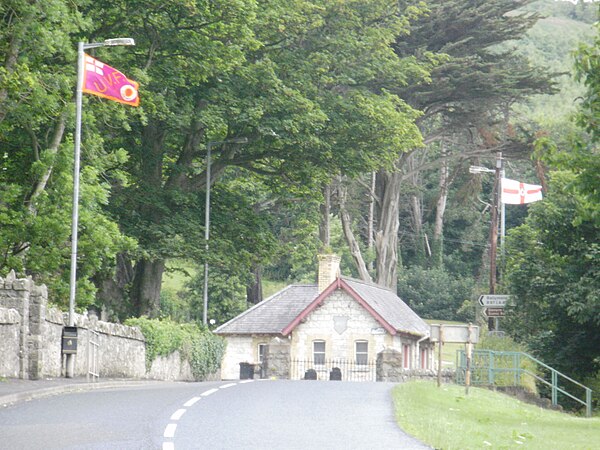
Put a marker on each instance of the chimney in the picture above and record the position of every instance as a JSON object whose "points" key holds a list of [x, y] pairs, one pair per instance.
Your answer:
{"points": [[329, 270]]}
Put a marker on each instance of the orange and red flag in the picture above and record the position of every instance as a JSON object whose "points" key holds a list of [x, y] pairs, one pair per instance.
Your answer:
{"points": [[102, 80]]}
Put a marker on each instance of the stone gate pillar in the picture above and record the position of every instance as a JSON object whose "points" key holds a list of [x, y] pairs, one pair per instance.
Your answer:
{"points": [[389, 365], [14, 294], [277, 360]]}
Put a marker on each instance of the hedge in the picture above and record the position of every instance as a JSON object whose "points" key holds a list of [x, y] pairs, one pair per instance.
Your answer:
{"points": [[200, 347]]}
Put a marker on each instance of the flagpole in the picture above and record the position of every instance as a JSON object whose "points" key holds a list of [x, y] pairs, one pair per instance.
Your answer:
{"points": [[75, 211], [81, 47], [76, 169]]}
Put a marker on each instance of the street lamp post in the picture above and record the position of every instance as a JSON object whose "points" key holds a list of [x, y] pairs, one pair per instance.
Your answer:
{"points": [[82, 46], [209, 147]]}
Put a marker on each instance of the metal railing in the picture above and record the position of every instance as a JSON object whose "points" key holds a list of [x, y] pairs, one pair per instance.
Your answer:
{"points": [[334, 369], [499, 368], [93, 348]]}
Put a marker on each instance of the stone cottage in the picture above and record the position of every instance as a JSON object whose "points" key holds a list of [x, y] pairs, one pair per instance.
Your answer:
{"points": [[336, 329]]}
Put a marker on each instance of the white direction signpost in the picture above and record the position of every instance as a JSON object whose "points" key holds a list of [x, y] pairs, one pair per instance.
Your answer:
{"points": [[467, 334], [494, 301]]}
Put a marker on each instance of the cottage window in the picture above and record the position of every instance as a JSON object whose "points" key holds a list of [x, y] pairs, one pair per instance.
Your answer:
{"points": [[362, 352], [406, 356], [319, 352]]}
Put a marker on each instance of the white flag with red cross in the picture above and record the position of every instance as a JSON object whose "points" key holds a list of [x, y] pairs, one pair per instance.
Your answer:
{"points": [[516, 193]]}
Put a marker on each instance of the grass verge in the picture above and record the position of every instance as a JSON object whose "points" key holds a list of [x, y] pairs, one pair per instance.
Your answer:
{"points": [[446, 418]]}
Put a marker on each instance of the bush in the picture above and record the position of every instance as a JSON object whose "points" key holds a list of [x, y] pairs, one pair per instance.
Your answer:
{"points": [[200, 347]]}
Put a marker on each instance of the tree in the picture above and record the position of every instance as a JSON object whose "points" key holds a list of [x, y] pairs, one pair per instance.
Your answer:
{"points": [[435, 293], [552, 272], [554, 258], [469, 91], [36, 87], [299, 80]]}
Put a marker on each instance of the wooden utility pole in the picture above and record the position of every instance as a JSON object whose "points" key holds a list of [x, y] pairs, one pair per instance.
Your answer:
{"points": [[469, 354], [494, 231], [440, 344]]}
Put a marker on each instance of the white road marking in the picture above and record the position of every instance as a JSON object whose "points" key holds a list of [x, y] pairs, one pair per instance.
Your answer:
{"points": [[209, 392], [170, 430], [177, 414], [172, 427], [191, 401]]}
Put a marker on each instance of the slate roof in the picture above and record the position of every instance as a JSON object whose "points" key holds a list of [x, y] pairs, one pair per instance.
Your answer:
{"points": [[389, 306], [272, 315], [283, 310]]}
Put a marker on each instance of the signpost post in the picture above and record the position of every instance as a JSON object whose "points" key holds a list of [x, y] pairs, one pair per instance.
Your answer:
{"points": [[494, 306]]}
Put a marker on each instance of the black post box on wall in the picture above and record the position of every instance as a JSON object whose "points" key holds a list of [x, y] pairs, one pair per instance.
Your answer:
{"points": [[69, 340]]}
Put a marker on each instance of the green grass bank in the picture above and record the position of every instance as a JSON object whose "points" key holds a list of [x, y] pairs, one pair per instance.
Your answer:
{"points": [[446, 418]]}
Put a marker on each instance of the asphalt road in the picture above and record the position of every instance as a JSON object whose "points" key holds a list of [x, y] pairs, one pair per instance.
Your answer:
{"points": [[218, 415]]}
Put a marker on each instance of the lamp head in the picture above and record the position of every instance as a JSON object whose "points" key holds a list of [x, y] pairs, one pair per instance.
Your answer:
{"points": [[479, 169], [240, 140], [119, 41]]}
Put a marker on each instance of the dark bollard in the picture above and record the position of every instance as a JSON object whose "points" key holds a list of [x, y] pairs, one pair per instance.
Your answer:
{"points": [[310, 374], [335, 374]]}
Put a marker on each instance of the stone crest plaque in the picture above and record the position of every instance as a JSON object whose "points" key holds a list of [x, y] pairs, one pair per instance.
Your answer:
{"points": [[340, 324]]}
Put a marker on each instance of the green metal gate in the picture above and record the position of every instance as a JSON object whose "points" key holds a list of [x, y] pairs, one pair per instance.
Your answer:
{"points": [[498, 368]]}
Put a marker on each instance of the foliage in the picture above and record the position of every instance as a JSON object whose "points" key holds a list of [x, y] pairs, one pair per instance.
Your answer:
{"points": [[447, 418], [38, 244], [36, 83], [201, 348], [226, 294], [435, 293], [552, 268], [550, 43], [304, 83], [552, 272]]}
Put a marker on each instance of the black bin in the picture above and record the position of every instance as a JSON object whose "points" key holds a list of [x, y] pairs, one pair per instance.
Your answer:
{"points": [[310, 374], [69, 340], [246, 371], [335, 374]]}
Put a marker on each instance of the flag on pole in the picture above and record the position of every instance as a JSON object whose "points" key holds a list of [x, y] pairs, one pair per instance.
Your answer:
{"points": [[104, 81], [517, 193]]}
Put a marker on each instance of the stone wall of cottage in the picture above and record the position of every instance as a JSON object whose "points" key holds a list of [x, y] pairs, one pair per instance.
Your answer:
{"points": [[390, 368], [341, 321], [31, 340], [240, 349]]}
